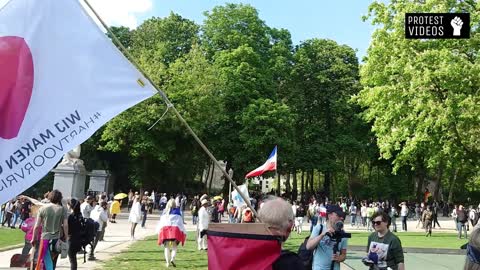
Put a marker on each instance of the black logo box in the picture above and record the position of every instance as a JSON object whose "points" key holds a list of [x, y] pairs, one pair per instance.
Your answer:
{"points": [[435, 25]]}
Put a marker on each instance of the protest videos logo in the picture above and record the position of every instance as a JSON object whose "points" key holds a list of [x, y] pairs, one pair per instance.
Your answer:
{"points": [[437, 25]]}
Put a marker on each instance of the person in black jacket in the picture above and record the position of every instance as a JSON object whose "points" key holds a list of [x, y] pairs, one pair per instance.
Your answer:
{"points": [[278, 215], [462, 219], [74, 225]]}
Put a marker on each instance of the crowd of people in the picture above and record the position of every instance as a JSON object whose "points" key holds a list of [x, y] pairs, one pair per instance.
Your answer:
{"points": [[51, 222]]}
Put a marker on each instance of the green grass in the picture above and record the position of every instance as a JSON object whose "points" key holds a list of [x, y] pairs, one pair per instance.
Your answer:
{"points": [[10, 237], [413, 239], [146, 254]]}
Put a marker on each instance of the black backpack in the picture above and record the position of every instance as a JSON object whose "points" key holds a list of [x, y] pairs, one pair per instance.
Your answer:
{"points": [[88, 230], [307, 255]]}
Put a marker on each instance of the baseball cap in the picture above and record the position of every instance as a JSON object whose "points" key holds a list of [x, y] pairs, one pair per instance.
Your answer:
{"points": [[333, 208]]}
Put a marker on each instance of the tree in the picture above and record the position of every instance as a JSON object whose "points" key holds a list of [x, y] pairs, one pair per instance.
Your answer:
{"points": [[165, 153], [325, 75], [228, 27], [172, 36], [422, 96], [123, 34]]}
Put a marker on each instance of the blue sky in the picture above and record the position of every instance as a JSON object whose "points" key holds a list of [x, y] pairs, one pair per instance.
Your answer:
{"points": [[340, 20]]}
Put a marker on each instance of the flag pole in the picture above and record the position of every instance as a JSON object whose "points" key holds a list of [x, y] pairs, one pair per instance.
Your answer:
{"points": [[171, 106]]}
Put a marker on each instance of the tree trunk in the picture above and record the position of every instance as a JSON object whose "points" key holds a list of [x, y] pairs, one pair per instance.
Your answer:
{"points": [[303, 185], [307, 183], [327, 182], [320, 184], [438, 183], [311, 181], [207, 176], [211, 178], [420, 178], [453, 179], [295, 186], [279, 188], [287, 185]]}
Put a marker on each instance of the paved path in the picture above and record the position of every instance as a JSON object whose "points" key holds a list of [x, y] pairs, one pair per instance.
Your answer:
{"points": [[117, 238], [413, 261]]}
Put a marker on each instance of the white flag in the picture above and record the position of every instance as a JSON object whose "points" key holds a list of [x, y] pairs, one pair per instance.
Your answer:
{"points": [[61, 79], [237, 199]]}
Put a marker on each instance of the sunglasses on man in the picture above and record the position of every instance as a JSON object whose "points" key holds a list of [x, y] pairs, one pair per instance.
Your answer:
{"points": [[377, 223]]}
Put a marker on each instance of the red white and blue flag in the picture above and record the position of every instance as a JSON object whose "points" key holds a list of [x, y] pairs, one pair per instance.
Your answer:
{"points": [[171, 227], [269, 165]]}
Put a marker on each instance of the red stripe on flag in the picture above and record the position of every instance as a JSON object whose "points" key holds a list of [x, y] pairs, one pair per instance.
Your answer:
{"points": [[171, 233]]}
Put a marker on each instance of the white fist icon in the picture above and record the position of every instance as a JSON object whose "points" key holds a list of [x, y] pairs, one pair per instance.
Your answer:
{"points": [[456, 23]]}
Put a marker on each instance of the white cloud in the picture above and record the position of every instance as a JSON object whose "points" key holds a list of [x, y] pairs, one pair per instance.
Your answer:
{"points": [[121, 12]]}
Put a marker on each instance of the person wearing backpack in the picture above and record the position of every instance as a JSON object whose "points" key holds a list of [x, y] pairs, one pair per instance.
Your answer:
{"points": [[278, 215], [75, 220], [100, 216], [462, 218], [322, 243], [427, 218]]}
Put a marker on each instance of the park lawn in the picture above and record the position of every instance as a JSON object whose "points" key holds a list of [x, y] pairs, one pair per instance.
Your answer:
{"points": [[408, 239], [146, 254], [11, 237]]}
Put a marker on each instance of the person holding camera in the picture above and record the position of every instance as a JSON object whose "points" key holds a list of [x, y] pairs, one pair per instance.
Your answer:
{"points": [[328, 240], [384, 248]]}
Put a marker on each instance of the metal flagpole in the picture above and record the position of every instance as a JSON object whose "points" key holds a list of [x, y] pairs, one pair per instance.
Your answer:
{"points": [[171, 106]]}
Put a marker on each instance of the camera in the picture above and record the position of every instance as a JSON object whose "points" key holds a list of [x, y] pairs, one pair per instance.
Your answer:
{"points": [[339, 232]]}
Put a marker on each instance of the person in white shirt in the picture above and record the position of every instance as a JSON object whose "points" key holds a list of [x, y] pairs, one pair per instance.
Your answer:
{"points": [[454, 216], [86, 207], [203, 220], [100, 216], [363, 213], [135, 215], [9, 209], [353, 214], [163, 202], [404, 215], [294, 209], [322, 214]]}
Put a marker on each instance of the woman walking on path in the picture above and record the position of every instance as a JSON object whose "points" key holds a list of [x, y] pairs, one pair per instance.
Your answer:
{"points": [[135, 216], [75, 220], [171, 232]]}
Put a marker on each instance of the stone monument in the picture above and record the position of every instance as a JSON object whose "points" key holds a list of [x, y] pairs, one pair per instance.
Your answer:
{"points": [[70, 175], [99, 181]]}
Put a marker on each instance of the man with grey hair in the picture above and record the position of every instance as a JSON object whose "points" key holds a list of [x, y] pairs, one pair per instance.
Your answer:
{"points": [[278, 215]]}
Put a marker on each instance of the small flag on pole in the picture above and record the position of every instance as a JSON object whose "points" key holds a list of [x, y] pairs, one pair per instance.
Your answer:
{"points": [[237, 198], [269, 165]]}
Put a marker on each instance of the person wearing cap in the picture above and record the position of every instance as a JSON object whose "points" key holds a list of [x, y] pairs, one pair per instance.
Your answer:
{"points": [[203, 220], [321, 241]]}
